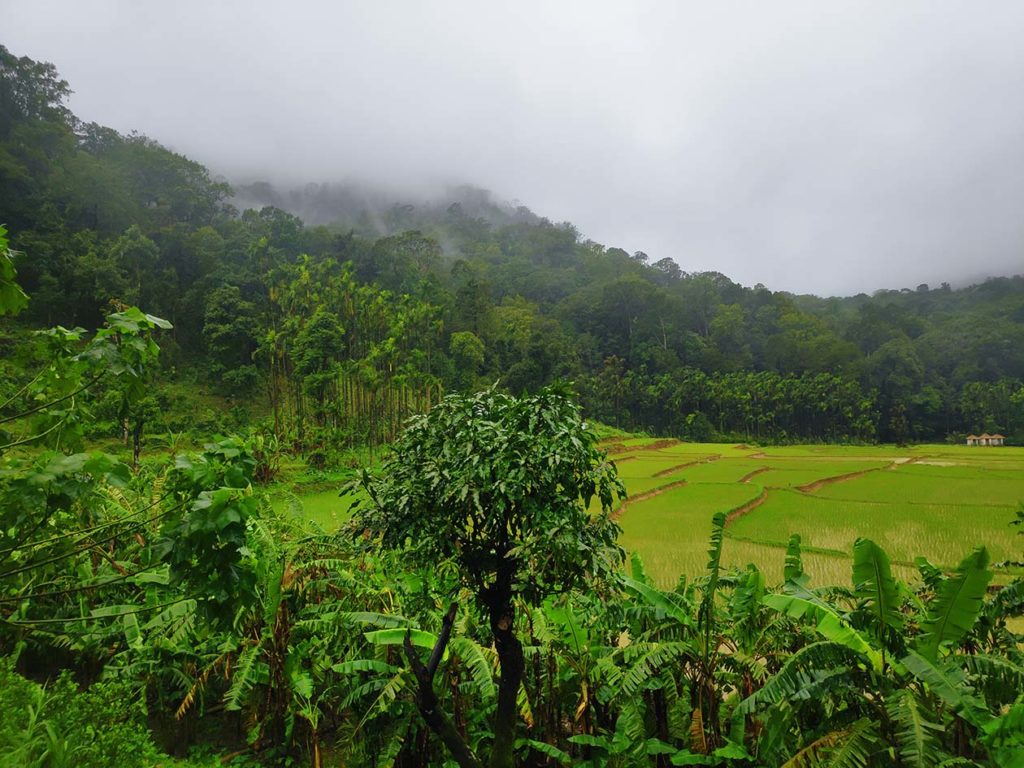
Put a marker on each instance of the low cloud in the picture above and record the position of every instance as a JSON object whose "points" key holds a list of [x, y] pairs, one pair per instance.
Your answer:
{"points": [[832, 148]]}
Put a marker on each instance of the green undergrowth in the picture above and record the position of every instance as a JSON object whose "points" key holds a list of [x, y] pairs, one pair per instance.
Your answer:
{"points": [[58, 724]]}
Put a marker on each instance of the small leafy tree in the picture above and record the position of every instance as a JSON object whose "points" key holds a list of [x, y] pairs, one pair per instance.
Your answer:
{"points": [[502, 486]]}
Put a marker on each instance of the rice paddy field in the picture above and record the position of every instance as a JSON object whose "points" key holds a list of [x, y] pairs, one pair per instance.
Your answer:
{"points": [[936, 501], [327, 508]]}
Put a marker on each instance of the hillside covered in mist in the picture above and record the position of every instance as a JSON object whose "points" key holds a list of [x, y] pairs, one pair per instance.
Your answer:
{"points": [[362, 304]]}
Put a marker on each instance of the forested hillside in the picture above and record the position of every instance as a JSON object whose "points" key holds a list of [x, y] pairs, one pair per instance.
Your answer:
{"points": [[473, 603], [345, 326]]}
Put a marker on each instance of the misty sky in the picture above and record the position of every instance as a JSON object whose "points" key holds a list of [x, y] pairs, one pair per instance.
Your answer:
{"points": [[827, 147]]}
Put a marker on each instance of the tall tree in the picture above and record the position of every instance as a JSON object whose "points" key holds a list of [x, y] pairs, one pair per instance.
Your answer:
{"points": [[501, 485]]}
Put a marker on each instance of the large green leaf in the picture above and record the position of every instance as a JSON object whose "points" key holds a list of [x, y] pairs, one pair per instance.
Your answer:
{"points": [[715, 552], [873, 583], [794, 567], [418, 637], [956, 605], [479, 665], [917, 732], [636, 568], [546, 749], [856, 747], [363, 665], [1004, 737], [812, 671], [949, 684], [829, 624], [12, 297], [659, 600]]}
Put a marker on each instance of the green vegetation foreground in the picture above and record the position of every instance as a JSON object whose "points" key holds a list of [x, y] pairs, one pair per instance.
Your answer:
{"points": [[476, 613], [476, 610]]}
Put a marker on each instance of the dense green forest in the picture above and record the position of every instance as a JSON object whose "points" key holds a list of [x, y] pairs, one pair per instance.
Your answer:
{"points": [[155, 609], [345, 327]]}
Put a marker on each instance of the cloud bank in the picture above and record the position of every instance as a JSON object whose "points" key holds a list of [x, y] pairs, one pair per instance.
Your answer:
{"points": [[820, 147]]}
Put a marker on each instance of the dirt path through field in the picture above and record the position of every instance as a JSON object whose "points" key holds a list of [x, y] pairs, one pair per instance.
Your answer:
{"points": [[817, 485], [677, 467], [751, 475], [615, 448], [744, 509], [644, 496]]}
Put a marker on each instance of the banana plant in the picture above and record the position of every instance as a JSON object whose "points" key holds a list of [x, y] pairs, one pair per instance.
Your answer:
{"points": [[891, 678]]}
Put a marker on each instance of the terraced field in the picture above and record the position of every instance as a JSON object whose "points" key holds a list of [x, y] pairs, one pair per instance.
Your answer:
{"points": [[932, 500]]}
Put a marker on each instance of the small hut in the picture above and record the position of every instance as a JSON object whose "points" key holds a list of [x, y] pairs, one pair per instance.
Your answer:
{"points": [[985, 439]]}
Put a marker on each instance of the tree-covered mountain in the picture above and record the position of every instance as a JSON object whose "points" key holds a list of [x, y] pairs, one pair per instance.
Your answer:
{"points": [[375, 304], [477, 603]]}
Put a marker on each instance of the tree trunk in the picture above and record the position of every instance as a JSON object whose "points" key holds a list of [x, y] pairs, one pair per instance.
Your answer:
{"points": [[512, 666], [137, 443], [426, 700]]}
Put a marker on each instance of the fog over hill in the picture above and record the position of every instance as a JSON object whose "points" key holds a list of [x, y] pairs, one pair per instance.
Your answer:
{"points": [[814, 148], [368, 208]]}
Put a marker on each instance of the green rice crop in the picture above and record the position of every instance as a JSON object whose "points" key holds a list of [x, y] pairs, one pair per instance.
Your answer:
{"points": [[795, 473], [822, 568], [671, 530], [724, 470], [943, 533], [925, 484], [945, 501], [643, 466], [328, 509]]}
